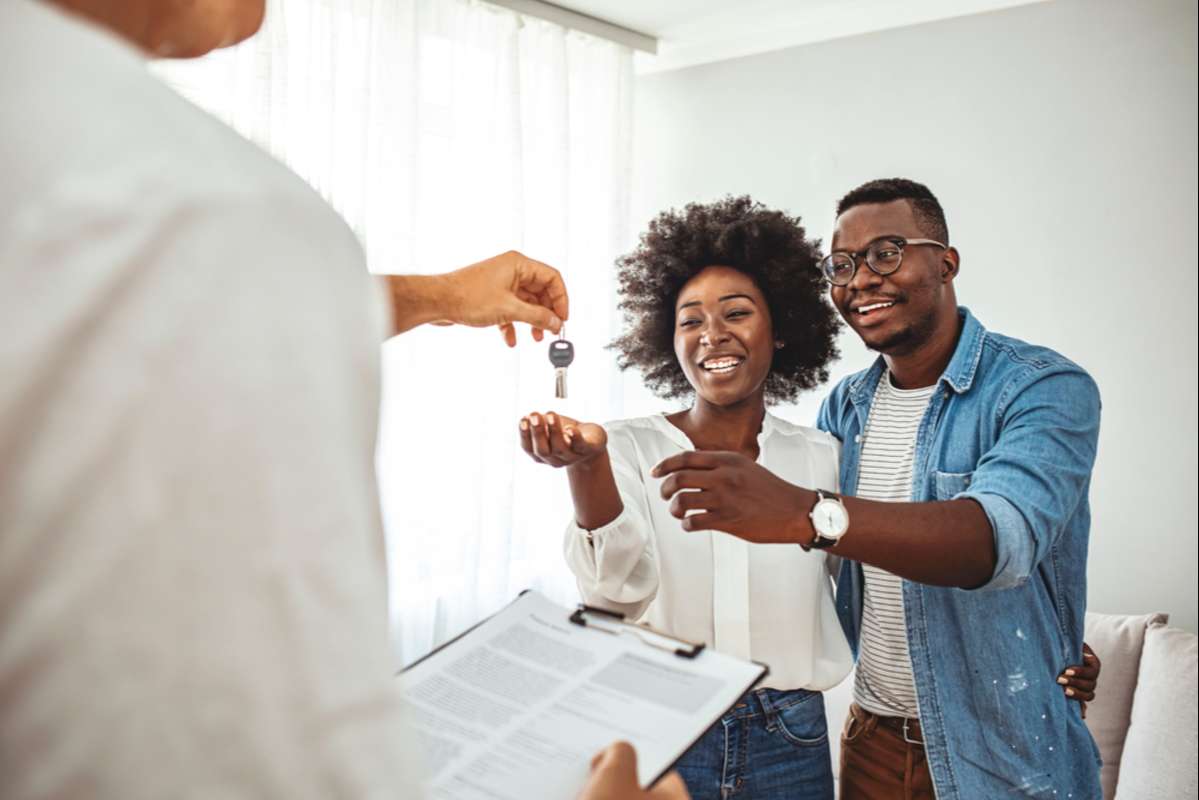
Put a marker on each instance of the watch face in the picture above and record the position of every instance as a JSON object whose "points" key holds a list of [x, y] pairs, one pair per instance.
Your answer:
{"points": [[830, 518]]}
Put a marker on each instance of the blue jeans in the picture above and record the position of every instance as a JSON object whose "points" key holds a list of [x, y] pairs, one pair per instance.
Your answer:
{"points": [[772, 744]]}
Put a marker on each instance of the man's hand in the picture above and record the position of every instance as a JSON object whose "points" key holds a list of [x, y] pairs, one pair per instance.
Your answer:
{"points": [[614, 777], [1081, 680], [501, 291], [735, 495]]}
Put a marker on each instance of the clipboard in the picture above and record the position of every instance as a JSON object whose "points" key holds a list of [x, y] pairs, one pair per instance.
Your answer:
{"points": [[615, 623], [697, 687]]}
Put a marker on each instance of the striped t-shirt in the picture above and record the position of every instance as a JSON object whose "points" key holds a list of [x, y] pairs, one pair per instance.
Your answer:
{"points": [[883, 679]]}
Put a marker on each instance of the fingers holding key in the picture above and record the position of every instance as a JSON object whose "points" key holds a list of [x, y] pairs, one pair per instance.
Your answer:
{"points": [[508, 332], [532, 298]]}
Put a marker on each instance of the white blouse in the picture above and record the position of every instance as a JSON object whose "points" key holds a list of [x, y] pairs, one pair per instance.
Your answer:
{"points": [[772, 603]]}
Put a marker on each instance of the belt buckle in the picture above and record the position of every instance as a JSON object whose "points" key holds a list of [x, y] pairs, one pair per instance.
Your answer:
{"points": [[907, 738]]}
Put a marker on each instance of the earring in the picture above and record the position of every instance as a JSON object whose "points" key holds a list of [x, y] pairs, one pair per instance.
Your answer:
{"points": [[778, 345]]}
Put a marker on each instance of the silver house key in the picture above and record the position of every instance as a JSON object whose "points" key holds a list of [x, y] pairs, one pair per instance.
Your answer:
{"points": [[562, 353]]}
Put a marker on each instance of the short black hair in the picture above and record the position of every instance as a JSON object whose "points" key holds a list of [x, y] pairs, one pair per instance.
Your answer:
{"points": [[766, 245], [884, 190]]}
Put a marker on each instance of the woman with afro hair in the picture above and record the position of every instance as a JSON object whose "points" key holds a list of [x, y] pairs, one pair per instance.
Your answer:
{"points": [[726, 309]]}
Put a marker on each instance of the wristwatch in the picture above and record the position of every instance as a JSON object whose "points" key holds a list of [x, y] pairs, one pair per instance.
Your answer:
{"points": [[830, 519]]}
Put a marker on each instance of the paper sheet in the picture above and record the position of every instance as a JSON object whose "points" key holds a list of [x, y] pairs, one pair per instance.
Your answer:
{"points": [[517, 707]]}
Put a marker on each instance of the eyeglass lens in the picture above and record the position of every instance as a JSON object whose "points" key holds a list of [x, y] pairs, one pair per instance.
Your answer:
{"points": [[884, 257]]}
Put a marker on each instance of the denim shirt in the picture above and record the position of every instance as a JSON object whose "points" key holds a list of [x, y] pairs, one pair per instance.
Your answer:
{"points": [[1014, 427]]}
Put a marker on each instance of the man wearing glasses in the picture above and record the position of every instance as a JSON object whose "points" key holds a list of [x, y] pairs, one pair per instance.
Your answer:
{"points": [[966, 465]]}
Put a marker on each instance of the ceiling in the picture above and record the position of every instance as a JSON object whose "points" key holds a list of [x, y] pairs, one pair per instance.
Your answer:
{"points": [[691, 32]]}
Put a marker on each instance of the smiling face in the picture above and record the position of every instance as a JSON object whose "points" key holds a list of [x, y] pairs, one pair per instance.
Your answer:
{"points": [[894, 314], [723, 335]]}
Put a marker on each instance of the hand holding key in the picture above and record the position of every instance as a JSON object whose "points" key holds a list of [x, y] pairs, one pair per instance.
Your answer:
{"points": [[503, 290], [560, 441]]}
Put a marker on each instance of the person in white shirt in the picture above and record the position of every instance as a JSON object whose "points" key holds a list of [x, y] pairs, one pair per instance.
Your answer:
{"points": [[726, 305], [192, 581]]}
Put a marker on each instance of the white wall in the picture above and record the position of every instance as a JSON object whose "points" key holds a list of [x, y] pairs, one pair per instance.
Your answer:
{"points": [[1061, 140]]}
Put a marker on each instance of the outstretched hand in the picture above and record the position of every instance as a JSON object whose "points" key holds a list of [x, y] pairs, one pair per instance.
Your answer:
{"points": [[507, 289], [732, 493], [501, 291], [614, 777], [561, 441]]}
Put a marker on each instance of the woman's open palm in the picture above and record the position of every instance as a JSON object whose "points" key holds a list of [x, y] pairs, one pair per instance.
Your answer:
{"points": [[560, 441]]}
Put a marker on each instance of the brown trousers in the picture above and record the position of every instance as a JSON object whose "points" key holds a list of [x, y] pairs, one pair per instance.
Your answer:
{"points": [[878, 762]]}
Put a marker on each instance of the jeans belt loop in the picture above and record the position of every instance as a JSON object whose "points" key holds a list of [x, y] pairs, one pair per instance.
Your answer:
{"points": [[861, 722]]}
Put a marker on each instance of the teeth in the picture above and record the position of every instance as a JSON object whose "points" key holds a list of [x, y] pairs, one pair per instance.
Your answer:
{"points": [[722, 365], [874, 307]]}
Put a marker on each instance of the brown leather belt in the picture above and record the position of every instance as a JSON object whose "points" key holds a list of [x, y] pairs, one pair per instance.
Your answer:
{"points": [[907, 727]]}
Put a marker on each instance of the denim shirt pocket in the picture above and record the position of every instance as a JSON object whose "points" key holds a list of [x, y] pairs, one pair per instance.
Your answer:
{"points": [[948, 485]]}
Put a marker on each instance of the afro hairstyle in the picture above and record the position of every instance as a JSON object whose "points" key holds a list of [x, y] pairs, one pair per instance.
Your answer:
{"points": [[766, 245]]}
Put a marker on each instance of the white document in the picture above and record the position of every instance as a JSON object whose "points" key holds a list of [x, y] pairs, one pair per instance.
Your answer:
{"points": [[516, 707]]}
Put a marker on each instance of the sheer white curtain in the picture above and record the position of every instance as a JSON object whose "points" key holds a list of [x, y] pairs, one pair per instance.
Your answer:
{"points": [[446, 131]]}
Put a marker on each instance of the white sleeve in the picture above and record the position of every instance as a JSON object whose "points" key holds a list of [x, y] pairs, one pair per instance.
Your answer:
{"points": [[617, 565]]}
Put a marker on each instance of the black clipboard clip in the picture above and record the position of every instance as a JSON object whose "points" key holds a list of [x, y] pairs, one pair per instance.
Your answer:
{"points": [[614, 623]]}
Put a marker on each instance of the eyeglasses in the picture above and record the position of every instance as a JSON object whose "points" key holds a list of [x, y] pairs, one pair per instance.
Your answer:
{"points": [[883, 256]]}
